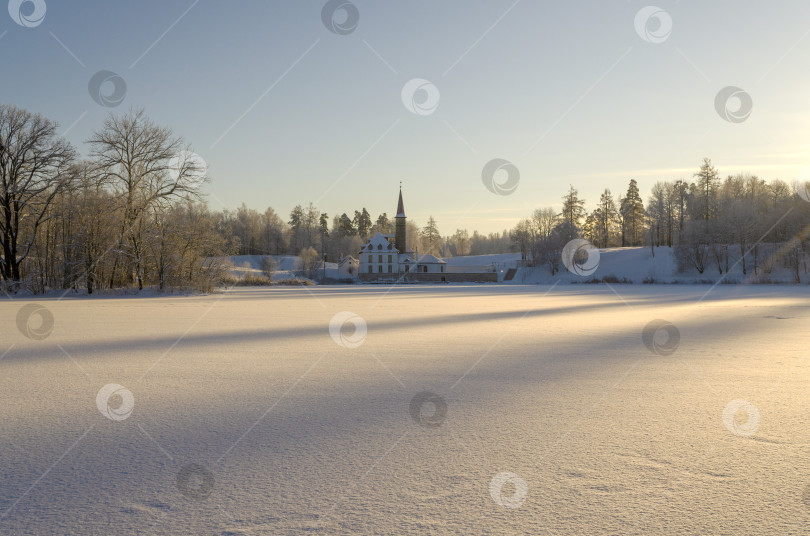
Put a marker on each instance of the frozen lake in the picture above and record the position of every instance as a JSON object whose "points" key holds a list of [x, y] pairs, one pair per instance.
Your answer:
{"points": [[460, 410]]}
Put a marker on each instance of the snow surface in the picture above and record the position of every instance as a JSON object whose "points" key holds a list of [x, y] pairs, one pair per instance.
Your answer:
{"points": [[638, 265], [483, 260], [629, 265], [303, 435], [482, 263], [289, 266]]}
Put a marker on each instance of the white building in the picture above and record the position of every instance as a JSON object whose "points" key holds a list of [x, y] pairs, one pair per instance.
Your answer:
{"points": [[347, 267], [388, 256]]}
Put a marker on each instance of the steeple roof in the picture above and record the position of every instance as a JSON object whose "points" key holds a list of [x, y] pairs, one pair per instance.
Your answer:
{"points": [[400, 206]]}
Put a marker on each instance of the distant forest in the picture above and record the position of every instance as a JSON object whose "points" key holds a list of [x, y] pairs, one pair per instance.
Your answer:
{"points": [[131, 213]]}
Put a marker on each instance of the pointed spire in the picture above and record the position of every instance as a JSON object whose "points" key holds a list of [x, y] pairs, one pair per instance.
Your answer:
{"points": [[400, 205]]}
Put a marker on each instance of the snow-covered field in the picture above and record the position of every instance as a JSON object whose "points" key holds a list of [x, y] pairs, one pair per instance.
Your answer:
{"points": [[630, 265], [288, 267], [480, 409], [638, 265]]}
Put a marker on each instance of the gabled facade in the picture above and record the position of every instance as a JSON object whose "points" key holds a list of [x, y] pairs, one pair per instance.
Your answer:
{"points": [[379, 256], [380, 259], [348, 267]]}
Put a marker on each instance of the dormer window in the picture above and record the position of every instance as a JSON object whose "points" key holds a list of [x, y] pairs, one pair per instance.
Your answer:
{"points": [[379, 246]]}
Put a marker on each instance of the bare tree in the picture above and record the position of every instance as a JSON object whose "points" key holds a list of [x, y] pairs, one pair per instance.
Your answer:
{"points": [[269, 266], [461, 241], [693, 250], [96, 218], [741, 220], [310, 261], [544, 221], [34, 168], [523, 237], [144, 163]]}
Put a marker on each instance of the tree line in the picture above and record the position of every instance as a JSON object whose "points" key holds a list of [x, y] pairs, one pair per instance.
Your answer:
{"points": [[130, 213], [250, 232], [712, 223]]}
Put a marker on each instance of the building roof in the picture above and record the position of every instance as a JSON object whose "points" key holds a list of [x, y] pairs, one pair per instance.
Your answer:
{"points": [[400, 206], [378, 243], [428, 258], [423, 259]]}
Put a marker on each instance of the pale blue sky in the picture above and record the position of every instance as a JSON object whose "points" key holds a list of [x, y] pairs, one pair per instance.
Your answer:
{"points": [[567, 91]]}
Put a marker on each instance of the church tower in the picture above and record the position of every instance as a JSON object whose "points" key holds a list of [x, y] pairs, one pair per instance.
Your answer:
{"points": [[399, 237]]}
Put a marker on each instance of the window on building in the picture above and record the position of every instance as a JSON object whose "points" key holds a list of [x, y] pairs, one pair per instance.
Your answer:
{"points": [[390, 269], [379, 258], [370, 257], [370, 269], [442, 268], [379, 269], [389, 259], [407, 268]]}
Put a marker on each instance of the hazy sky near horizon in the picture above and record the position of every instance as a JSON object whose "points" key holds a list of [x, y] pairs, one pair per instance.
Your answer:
{"points": [[285, 111]]}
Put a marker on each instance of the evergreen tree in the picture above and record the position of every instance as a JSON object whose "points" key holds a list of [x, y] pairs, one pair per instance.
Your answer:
{"points": [[296, 224], [346, 227], [607, 219], [383, 224], [324, 227], [592, 231], [573, 210], [363, 222], [431, 238], [707, 184], [632, 216]]}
